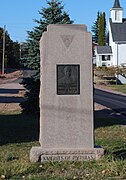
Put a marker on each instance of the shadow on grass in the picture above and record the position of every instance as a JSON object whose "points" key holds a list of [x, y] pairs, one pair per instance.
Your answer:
{"points": [[121, 154], [107, 117], [17, 128]]}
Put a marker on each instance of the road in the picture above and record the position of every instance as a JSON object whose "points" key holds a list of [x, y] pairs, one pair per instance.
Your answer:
{"points": [[10, 91], [11, 95], [112, 100]]}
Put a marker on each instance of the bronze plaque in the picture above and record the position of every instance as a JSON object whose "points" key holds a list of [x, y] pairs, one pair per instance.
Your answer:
{"points": [[68, 79]]}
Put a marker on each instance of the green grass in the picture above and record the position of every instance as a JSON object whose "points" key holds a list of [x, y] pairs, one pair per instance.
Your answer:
{"points": [[18, 133], [120, 88]]}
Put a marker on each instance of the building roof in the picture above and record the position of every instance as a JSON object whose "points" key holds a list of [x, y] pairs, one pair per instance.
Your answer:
{"points": [[104, 49], [116, 4], [118, 31]]}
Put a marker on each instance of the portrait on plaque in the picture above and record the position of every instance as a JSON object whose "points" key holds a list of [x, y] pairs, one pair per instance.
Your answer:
{"points": [[68, 79]]}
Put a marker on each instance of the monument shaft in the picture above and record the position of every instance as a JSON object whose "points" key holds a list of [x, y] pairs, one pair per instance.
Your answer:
{"points": [[66, 95]]}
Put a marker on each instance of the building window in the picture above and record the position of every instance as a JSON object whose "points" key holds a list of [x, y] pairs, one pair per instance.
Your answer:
{"points": [[116, 16], [104, 64], [105, 57]]}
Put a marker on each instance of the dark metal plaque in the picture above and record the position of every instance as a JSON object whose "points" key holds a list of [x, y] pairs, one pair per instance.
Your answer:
{"points": [[68, 79]]}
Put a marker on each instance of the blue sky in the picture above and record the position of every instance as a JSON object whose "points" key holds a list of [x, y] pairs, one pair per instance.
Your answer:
{"points": [[18, 15]]}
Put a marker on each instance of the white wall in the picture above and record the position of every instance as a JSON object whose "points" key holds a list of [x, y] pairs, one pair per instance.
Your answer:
{"points": [[100, 62], [119, 50], [116, 15], [122, 53]]}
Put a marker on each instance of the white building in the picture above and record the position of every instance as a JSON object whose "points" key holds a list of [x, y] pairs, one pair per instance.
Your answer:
{"points": [[103, 56], [115, 53]]}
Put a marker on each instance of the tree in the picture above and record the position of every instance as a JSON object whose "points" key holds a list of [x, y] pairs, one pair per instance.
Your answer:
{"points": [[53, 14], [95, 28], [102, 30], [11, 51], [99, 29]]}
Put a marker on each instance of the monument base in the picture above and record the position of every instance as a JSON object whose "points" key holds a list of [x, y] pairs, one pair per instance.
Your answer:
{"points": [[39, 154]]}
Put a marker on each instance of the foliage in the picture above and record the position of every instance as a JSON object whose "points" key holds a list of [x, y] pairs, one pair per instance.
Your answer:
{"points": [[102, 30], [105, 71], [53, 14], [95, 28], [99, 29], [106, 76], [32, 84], [11, 51]]}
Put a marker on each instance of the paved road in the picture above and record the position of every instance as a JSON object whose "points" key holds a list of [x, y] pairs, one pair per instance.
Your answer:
{"points": [[112, 100], [10, 91]]}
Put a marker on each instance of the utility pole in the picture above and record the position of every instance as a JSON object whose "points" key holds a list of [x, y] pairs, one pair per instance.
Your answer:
{"points": [[117, 72], [3, 49]]}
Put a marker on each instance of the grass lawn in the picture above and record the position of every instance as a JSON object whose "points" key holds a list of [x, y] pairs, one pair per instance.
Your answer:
{"points": [[120, 88], [18, 133]]}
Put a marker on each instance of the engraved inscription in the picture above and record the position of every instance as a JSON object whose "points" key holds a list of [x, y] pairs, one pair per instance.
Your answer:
{"points": [[53, 158], [68, 79]]}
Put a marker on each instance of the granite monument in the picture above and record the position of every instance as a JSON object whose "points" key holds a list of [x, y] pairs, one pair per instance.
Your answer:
{"points": [[66, 96]]}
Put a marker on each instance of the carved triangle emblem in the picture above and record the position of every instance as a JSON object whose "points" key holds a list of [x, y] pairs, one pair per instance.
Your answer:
{"points": [[67, 39]]}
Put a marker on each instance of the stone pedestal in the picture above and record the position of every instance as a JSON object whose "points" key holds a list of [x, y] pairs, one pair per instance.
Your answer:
{"points": [[45, 155], [66, 96]]}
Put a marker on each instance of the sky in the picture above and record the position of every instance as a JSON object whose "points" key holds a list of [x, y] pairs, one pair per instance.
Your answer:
{"points": [[18, 15]]}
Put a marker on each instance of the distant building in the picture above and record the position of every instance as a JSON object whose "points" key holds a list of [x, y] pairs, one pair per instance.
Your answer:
{"points": [[115, 53], [103, 56]]}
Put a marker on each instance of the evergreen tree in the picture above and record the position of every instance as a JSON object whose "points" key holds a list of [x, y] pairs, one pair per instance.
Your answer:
{"points": [[53, 14], [99, 29], [95, 28], [102, 30], [11, 51]]}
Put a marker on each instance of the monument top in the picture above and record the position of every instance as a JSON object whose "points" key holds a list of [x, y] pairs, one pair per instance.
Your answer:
{"points": [[82, 27]]}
